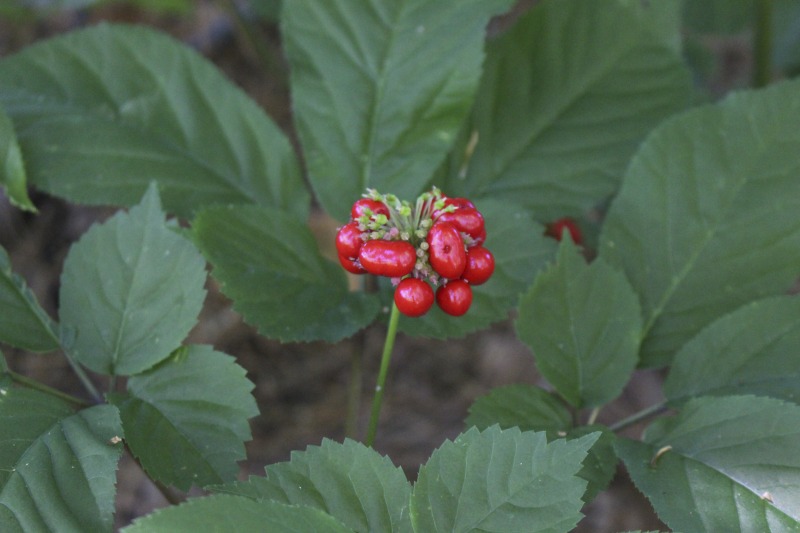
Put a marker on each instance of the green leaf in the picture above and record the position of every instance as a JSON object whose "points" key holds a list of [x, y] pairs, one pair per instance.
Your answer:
{"points": [[270, 265], [718, 16], [131, 289], [520, 250], [501, 480], [348, 481], [3, 363], [57, 467], [224, 513], [716, 186], [380, 89], [586, 354], [25, 324], [558, 118], [533, 409], [750, 351], [186, 419], [723, 464], [102, 112], [12, 168], [524, 406], [600, 464]]}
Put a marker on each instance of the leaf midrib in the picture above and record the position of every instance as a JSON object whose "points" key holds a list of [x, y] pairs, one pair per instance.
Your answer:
{"points": [[549, 121]]}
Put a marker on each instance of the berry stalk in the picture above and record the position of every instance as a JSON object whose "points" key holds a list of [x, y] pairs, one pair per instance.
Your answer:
{"points": [[380, 384]]}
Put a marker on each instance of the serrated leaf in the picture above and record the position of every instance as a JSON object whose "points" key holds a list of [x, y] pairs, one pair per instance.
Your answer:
{"points": [[722, 464], [349, 481], [12, 168], [715, 186], [131, 289], [186, 419], [534, 409], [25, 324], [588, 355], [750, 351], [57, 467], [600, 464], [380, 89], [102, 112], [558, 118], [225, 513], [524, 406], [501, 480], [520, 250], [270, 265]]}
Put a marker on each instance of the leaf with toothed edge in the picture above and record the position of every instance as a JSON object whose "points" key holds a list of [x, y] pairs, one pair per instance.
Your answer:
{"points": [[57, 467], [379, 89], [103, 111], [350, 481], [25, 324], [131, 290], [269, 264], [187, 418], [722, 464]]}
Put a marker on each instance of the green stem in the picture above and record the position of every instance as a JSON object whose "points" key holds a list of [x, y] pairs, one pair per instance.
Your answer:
{"points": [[388, 346], [41, 387], [762, 45], [87, 383], [635, 418], [354, 389]]}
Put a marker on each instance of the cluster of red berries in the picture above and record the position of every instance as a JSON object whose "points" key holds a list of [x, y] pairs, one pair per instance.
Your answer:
{"points": [[438, 241]]}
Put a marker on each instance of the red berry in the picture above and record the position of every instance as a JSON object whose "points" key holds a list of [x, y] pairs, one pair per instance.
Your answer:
{"points": [[467, 220], [446, 250], [455, 297], [556, 230], [393, 259], [350, 265], [349, 241], [413, 297], [459, 202], [480, 265], [368, 206]]}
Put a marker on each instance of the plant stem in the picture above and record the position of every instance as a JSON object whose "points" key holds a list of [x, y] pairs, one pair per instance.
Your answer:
{"points": [[354, 389], [41, 387], [87, 383], [762, 45], [635, 418], [388, 345]]}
